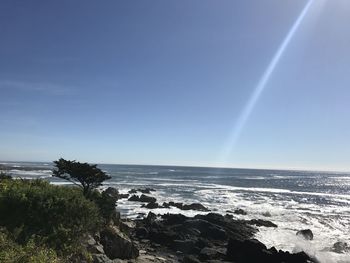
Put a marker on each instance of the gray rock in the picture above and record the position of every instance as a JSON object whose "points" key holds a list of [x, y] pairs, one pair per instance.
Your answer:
{"points": [[306, 234], [117, 245], [340, 247]]}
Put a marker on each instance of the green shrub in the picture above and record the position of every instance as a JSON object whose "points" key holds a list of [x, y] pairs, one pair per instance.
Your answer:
{"points": [[11, 252], [57, 216]]}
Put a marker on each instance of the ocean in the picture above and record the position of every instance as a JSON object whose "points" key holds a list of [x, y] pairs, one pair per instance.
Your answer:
{"points": [[293, 200]]}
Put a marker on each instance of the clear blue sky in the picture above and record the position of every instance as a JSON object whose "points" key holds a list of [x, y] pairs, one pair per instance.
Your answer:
{"points": [[164, 82]]}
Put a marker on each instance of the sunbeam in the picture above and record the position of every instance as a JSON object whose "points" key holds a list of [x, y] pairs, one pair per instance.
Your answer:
{"points": [[248, 108]]}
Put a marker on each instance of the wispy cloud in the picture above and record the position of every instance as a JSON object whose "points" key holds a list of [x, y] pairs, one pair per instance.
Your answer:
{"points": [[36, 87]]}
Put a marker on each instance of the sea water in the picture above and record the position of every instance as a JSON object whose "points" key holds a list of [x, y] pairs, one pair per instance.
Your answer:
{"points": [[293, 200]]}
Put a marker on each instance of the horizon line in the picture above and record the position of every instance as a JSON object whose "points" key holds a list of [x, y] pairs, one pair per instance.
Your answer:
{"points": [[296, 169]]}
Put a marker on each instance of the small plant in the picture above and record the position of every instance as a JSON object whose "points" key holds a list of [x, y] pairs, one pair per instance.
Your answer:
{"points": [[84, 175]]}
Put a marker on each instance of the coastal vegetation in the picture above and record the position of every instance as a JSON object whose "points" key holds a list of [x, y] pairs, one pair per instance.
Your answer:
{"points": [[86, 176], [41, 222]]}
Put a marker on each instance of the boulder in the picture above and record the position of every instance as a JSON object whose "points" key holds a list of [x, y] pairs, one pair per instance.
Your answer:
{"points": [[112, 192], [152, 205], [151, 217], [147, 199], [306, 234], [134, 198], [117, 245], [340, 247], [254, 251], [174, 219]]}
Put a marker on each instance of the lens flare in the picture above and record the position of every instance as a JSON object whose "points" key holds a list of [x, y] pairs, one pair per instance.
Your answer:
{"points": [[248, 108]]}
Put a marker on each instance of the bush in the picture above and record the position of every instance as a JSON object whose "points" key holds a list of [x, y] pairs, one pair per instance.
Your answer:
{"points": [[11, 252], [57, 216]]}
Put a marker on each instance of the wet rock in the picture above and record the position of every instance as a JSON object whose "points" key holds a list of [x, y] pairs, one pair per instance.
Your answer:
{"points": [[261, 222], [306, 234], [146, 190], [152, 205], [112, 192], [266, 214], [134, 198], [132, 191], [341, 247], [254, 251], [142, 198], [117, 245], [195, 206], [151, 218], [147, 199], [123, 196], [240, 212]]}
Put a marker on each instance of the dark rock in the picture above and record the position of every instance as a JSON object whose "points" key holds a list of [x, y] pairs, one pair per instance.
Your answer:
{"points": [[261, 222], [267, 214], [132, 191], [123, 196], [151, 217], [152, 205], [240, 212], [142, 198], [127, 226], [306, 234], [185, 246], [117, 245], [134, 198], [146, 190], [229, 216], [340, 247], [208, 253], [190, 259], [166, 205], [195, 206], [112, 192], [255, 251], [174, 219], [163, 236], [141, 232], [147, 199]]}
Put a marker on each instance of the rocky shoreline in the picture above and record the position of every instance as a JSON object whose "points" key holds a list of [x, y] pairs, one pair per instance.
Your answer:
{"points": [[177, 238]]}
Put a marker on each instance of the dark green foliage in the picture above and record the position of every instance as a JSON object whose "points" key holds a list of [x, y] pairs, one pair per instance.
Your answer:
{"points": [[56, 216], [5, 176], [85, 175], [106, 205]]}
